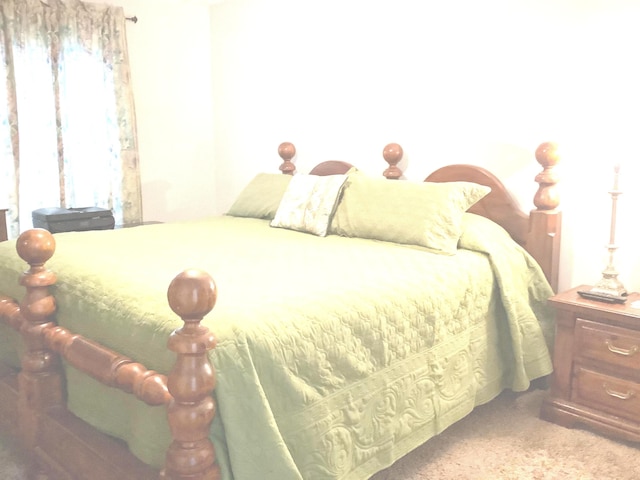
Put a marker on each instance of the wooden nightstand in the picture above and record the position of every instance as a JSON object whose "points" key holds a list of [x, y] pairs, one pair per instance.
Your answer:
{"points": [[596, 360]]}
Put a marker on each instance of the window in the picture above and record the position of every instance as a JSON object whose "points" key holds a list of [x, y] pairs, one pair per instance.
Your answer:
{"points": [[67, 123]]}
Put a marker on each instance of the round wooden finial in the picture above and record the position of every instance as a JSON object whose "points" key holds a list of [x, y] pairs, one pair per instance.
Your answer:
{"points": [[192, 294], [547, 197], [547, 154], [287, 151], [392, 154], [36, 246]]}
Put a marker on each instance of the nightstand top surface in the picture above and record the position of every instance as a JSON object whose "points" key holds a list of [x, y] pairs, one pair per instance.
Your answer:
{"points": [[571, 297]]}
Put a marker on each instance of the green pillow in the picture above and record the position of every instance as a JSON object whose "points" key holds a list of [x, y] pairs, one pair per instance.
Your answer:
{"points": [[261, 197], [477, 231], [426, 214]]}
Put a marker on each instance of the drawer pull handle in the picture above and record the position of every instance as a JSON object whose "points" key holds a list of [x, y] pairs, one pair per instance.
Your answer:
{"points": [[621, 351], [613, 393]]}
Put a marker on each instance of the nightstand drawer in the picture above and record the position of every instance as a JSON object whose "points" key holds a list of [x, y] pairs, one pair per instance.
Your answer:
{"points": [[605, 343], [614, 395]]}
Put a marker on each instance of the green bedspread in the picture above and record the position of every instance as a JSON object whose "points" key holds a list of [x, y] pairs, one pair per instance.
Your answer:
{"points": [[335, 356]]}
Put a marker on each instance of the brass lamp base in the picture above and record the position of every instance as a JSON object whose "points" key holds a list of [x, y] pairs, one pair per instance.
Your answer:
{"points": [[609, 289]]}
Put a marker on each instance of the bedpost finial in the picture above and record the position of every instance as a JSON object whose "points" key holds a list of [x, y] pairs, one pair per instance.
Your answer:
{"points": [[192, 294], [36, 246], [547, 197], [287, 151], [547, 154], [392, 154]]}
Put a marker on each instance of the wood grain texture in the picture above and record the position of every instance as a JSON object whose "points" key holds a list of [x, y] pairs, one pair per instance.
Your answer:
{"points": [[596, 379]]}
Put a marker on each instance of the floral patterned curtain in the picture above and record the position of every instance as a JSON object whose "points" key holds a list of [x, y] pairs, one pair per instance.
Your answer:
{"points": [[67, 118]]}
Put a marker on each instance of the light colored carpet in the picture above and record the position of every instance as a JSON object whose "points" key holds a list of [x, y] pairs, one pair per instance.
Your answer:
{"points": [[503, 440], [12, 464], [507, 440]]}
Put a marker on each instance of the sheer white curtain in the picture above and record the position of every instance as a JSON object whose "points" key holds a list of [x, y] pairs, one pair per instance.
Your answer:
{"points": [[67, 122]]}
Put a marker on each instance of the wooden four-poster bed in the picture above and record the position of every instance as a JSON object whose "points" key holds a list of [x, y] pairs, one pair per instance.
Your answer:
{"points": [[337, 347]]}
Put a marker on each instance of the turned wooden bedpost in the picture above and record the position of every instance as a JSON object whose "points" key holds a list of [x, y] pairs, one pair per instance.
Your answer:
{"points": [[392, 154], [192, 294], [545, 221], [40, 379], [287, 151]]}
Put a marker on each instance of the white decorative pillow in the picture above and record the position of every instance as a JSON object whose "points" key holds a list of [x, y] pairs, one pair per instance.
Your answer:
{"points": [[308, 203]]}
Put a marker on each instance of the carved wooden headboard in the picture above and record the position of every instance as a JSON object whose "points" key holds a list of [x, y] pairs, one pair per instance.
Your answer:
{"points": [[538, 231]]}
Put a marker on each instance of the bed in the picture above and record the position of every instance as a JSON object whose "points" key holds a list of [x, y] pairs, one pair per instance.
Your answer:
{"points": [[342, 337]]}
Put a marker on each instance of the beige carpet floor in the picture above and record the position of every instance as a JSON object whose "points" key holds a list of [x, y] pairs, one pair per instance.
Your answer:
{"points": [[503, 440], [12, 463], [506, 440]]}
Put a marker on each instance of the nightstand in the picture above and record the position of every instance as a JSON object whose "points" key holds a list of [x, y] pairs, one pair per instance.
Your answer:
{"points": [[596, 361]]}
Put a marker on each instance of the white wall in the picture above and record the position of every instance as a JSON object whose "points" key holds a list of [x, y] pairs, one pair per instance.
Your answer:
{"points": [[170, 55], [460, 81]]}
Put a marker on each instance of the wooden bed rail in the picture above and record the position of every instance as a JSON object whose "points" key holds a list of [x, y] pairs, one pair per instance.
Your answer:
{"points": [[187, 391]]}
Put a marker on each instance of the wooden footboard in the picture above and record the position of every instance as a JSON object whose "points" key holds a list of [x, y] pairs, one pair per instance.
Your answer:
{"points": [[62, 446]]}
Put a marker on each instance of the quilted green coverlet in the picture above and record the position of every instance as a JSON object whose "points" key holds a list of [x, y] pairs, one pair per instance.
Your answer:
{"points": [[335, 356]]}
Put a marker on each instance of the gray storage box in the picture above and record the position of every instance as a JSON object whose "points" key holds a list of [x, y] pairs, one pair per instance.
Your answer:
{"points": [[73, 219]]}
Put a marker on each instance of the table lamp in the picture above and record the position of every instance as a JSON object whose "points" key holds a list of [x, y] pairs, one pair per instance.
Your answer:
{"points": [[609, 288]]}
